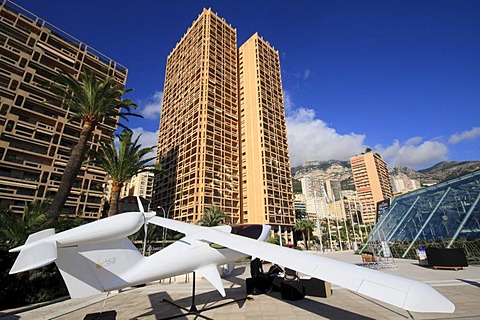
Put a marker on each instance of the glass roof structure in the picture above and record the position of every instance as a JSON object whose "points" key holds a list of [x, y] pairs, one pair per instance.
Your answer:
{"points": [[445, 215]]}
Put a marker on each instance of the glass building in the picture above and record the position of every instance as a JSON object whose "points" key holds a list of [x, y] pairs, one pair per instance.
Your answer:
{"points": [[445, 215]]}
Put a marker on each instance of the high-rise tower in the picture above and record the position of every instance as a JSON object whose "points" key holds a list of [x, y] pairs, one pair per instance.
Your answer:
{"points": [[198, 136], [222, 138], [372, 183], [36, 135], [266, 183]]}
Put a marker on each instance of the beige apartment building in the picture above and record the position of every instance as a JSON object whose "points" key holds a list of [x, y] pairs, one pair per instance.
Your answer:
{"points": [[266, 183], [198, 136], [222, 138], [372, 183], [140, 184], [35, 134]]}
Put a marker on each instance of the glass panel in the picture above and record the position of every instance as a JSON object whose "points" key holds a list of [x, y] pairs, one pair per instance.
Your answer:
{"points": [[457, 217]]}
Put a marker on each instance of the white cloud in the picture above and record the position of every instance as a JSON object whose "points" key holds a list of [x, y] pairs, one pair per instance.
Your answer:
{"points": [[311, 139], [465, 135], [147, 139], [287, 101], [153, 106], [414, 153], [306, 74], [413, 141]]}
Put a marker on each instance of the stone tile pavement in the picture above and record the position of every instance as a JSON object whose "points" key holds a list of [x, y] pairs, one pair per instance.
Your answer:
{"points": [[461, 287]]}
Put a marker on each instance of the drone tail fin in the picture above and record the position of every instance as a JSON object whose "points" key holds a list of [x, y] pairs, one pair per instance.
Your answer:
{"points": [[36, 256]]}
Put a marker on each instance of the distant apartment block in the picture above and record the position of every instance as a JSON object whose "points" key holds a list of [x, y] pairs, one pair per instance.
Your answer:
{"points": [[352, 206], [321, 197], [222, 138], [313, 187], [372, 183], [140, 185], [299, 202], [333, 190], [338, 210], [35, 134]]}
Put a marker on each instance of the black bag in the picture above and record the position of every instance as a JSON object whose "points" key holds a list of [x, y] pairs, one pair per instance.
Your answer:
{"points": [[292, 290], [257, 285]]}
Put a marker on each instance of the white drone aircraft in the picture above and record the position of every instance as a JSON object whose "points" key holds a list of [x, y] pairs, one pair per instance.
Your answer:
{"points": [[98, 257]]}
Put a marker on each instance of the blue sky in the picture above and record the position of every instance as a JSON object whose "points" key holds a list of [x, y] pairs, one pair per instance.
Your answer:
{"points": [[401, 77]]}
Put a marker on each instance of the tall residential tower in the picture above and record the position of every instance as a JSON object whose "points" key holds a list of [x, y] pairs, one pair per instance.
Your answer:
{"points": [[198, 136], [265, 163], [372, 183], [222, 139]]}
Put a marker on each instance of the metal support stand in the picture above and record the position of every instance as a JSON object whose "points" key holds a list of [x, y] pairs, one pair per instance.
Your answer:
{"points": [[193, 308]]}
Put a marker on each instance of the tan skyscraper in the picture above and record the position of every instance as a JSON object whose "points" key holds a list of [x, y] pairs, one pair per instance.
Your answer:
{"points": [[222, 131], [198, 137], [266, 184], [372, 183], [35, 134]]}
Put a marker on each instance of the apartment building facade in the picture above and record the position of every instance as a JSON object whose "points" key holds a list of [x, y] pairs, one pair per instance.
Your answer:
{"points": [[266, 183], [36, 135], [140, 184], [213, 148], [321, 196], [198, 136], [372, 183]]}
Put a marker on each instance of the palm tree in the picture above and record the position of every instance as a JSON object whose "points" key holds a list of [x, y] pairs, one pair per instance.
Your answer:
{"points": [[91, 101], [305, 227], [212, 217], [123, 163], [35, 285], [16, 228]]}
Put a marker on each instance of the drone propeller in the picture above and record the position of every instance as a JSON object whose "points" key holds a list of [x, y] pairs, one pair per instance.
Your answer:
{"points": [[146, 216], [140, 205]]}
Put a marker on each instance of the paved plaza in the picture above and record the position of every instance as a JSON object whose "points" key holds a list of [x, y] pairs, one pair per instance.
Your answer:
{"points": [[462, 287]]}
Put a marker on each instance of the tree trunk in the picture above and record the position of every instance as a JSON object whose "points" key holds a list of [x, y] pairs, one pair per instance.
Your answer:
{"points": [[304, 241], [308, 236], [70, 174], [114, 196]]}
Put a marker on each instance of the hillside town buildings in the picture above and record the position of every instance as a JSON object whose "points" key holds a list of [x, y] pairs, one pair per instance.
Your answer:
{"points": [[403, 184]]}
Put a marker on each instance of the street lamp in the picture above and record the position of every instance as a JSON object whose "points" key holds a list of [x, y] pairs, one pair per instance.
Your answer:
{"points": [[164, 231], [165, 215]]}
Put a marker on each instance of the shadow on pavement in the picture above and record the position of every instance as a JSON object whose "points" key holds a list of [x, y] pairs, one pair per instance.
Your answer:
{"points": [[209, 299], [321, 309], [473, 283]]}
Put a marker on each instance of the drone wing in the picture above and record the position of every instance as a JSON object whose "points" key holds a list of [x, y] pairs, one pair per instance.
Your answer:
{"points": [[401, 292]]}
